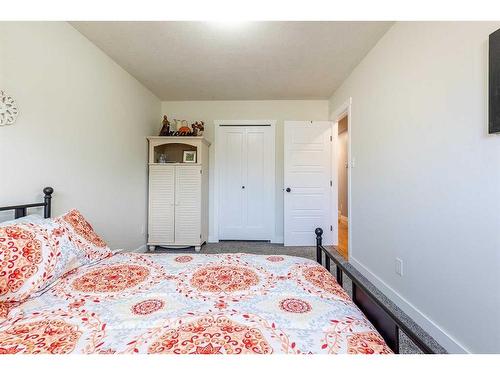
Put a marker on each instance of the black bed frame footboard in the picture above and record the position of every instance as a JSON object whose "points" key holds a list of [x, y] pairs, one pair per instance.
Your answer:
{"points": [[384, 320], [21, 210]]}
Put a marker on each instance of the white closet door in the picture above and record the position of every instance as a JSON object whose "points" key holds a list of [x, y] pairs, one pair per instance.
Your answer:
{"points": [[307, 182], [258, 188], [246, 183], [233, 160], [187, 204], [161, 204]]}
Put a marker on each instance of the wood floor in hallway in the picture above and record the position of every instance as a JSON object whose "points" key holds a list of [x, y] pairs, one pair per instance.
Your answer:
{"points": [[343, 239]]}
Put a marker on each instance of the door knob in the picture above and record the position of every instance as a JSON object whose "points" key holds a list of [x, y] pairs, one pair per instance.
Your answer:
{"points": [[243, 187], [288, 190]]}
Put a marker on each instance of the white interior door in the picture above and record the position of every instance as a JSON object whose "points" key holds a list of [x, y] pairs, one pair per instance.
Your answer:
{"points": [[308, 186], [187, 204], [246, 182]]}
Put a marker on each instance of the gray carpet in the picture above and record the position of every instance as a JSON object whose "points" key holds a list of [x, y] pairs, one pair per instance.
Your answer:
{"points": [[252, 247], [265, 248]]}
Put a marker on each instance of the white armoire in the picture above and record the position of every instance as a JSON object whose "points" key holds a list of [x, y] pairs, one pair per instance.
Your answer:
{"points": [[178, 192]]}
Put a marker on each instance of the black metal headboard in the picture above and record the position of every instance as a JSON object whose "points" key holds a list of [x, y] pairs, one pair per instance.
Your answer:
{"points": [[20, 210]]}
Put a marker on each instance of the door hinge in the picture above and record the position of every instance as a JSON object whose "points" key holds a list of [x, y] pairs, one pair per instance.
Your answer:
{"points": [[331, 228], [331, 183], [200, 236], [331, 139], [201, 172]]}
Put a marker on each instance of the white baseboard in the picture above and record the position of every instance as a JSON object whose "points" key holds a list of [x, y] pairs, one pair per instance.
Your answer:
{"points": [[278, 239], [141, 249], [443, 338]]}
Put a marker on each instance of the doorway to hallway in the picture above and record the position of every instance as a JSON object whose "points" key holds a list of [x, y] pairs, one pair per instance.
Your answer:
{"points": [[343, 185]]}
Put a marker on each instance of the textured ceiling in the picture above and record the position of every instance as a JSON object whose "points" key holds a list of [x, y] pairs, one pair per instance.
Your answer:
{"points": [[248, 61]]}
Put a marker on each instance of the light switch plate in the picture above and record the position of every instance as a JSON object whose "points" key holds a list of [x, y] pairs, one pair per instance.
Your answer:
{"points": [[399, 266]]}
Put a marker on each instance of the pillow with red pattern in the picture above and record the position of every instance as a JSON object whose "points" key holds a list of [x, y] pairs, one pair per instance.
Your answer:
{"points": [[82, 235], [29, 257], [35, 253]]}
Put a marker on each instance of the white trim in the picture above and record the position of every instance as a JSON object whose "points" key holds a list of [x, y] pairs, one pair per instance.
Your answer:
{"points": [[214, 237], [334, 189], [141, 249], [345, 109], [278, 239], [442, 337]]}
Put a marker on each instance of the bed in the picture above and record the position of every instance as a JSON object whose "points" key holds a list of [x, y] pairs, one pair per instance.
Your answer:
{"points": [[119, 302]]}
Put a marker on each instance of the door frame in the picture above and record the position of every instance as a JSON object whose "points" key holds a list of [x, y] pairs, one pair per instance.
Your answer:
{"points": [[341, 111], [218, 156]]}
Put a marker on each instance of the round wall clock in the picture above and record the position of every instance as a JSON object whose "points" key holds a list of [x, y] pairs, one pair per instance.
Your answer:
{"points": [[8, 109]]}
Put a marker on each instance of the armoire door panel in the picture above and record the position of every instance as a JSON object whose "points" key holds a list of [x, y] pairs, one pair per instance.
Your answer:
{"points": [[187, 204], [161, 204]]}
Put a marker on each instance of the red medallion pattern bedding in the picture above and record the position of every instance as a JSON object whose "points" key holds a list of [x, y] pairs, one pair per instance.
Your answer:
{"points": [[36, 252], [191, 304]]}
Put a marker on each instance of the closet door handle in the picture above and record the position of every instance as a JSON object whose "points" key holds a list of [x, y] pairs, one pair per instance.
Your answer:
{"points": [[243, 187], [288, 190]]}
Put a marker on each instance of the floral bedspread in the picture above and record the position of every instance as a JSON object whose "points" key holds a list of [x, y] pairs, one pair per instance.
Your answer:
{"points": [[192, 304]]}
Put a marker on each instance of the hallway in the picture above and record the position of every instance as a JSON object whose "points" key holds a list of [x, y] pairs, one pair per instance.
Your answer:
{"points": [[343, 239]]}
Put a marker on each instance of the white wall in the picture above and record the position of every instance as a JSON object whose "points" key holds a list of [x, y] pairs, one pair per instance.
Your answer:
{"points": [[279, 110], [81, 129], [426, 183]]}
